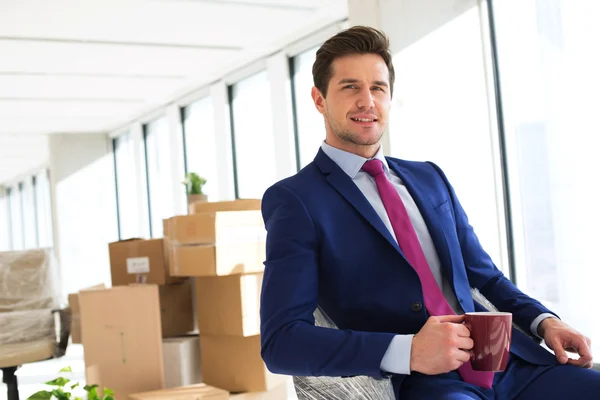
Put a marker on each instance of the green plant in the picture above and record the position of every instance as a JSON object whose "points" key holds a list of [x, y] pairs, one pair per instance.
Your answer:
{"points": [[194, 183], [63, 392]]}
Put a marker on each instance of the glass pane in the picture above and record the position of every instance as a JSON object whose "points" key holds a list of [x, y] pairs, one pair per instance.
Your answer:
{"points": [[309, 123], [160, 182], [129, 215], [253, 133], [16, 219], [440, 114], [200, 146], [550, 84], [44, 209], [29, 217], [4, 222]]}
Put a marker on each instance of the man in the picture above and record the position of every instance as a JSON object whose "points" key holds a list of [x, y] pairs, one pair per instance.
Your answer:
{"points": [[384, 247]]}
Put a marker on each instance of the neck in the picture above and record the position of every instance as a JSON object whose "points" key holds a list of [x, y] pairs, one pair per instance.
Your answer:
{"points": [[365, 151]]}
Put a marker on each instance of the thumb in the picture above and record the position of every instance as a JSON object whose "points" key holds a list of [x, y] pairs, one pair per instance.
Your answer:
{"points": [[456, 319], [559, 352]]}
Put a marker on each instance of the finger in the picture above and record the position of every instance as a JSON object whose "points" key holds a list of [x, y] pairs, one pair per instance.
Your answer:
{"points": [[455, 319], [463, 356], [584, 351], [465, 343], [559, 352], [578, 363], [462, 331]]}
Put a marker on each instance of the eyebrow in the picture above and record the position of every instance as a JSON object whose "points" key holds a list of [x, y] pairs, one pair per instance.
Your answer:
{"points": [[350, 80]]}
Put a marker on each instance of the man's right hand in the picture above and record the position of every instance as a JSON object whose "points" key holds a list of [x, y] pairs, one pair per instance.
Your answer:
{"points": [[441, 346]]}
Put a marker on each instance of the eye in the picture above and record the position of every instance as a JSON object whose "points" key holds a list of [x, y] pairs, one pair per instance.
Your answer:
{"points": [[378, 88], [350, 87]]}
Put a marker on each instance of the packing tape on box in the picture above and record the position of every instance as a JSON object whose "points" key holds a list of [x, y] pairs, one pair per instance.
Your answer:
{"points": [[29, 294]]}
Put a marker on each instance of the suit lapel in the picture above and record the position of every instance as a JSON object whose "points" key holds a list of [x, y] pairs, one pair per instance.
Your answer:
{"points": [[426, 207], [343, 184]]}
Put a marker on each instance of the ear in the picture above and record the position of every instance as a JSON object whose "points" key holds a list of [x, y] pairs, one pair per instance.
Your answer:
{"points": [[319, 99]]}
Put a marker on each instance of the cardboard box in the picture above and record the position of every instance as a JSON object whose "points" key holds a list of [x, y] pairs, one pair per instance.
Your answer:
{"points": [[221, 227], [229, 305], [176, 308], [218, 260], [181, 359], [194, 392], [73, 300], [235, 205], [281, 392], [234, 363], [122, 334], [139, 261]]}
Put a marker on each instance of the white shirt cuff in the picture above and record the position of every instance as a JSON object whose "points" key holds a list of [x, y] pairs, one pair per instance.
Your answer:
{"points": [[536, 323], [396, 359]]}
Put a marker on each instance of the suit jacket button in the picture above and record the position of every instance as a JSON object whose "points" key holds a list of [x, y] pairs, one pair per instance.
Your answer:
{"points": [[417, 306]]}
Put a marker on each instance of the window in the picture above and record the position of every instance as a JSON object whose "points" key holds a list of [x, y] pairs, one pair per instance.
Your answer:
{"points": [[441, 114], [4, 221], [310, 128], [127, 196], [44, 209], [29, 217], [160, 181], [200, 146], [253, 144], [549, 86], [16, 218]]}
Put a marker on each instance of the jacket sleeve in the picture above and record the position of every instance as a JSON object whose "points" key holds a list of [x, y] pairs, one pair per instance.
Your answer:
{"points": [[291, 343], [485, 276]]}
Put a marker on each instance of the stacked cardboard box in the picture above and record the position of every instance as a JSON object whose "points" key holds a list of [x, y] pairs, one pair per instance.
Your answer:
{"points": [[223, 246], [121, 333], [194, 392], [145, 261], [73, 300], [216, 243]]}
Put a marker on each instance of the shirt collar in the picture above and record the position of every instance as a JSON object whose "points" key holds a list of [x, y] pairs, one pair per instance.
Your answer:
{"points": [[351, 163]]}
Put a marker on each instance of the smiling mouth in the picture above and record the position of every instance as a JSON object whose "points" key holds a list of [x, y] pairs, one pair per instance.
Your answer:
{"points": [[364, 119]]}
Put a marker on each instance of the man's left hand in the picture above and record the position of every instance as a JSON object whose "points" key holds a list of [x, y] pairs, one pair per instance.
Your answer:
{"points": [[561, 338]]}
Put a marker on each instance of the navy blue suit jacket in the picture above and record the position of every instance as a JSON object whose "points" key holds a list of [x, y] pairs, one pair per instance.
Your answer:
{"points": [[326, 246]]}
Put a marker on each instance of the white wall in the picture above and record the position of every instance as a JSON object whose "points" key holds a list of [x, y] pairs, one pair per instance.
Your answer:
{"points": [[84, 207]]}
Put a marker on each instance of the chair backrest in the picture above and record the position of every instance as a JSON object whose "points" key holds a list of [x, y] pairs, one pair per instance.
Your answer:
{"points": [[336, 388]]}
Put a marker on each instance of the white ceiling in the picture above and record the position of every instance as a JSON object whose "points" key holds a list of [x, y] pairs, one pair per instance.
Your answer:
{"points": [[88, 66]]}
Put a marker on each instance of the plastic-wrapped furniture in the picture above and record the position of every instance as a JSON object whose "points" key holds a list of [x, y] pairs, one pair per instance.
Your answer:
{"points": [[29, 312]]}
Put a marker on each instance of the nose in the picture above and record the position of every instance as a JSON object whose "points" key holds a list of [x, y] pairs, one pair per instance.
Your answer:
{"points": [[365, 99]]}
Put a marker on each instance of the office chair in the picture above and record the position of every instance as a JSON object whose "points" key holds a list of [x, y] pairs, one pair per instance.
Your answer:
{"points": [[29, 314]]}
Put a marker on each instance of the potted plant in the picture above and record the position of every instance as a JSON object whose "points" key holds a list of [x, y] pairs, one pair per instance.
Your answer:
{"points": [[61, 391], [193, 187]]}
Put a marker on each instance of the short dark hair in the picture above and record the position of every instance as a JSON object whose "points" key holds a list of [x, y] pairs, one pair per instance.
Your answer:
{"points": [[355, 40]]}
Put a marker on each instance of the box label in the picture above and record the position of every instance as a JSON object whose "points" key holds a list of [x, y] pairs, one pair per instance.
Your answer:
{"points": [[138, 265]]}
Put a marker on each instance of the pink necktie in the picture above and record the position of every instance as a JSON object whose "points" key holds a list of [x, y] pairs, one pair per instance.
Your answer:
{"points": [[434, 299]]}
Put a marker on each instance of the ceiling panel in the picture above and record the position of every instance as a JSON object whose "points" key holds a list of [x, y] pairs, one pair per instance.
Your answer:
{"points": [[101, 88], [83, 66], [47, 125], [182, 22], [107, 59]]}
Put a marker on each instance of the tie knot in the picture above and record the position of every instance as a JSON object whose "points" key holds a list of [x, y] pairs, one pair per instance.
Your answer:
{"points": [[373, 167]]}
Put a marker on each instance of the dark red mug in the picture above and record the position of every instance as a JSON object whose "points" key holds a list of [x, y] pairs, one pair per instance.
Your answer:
{"points": [[491, 333]]}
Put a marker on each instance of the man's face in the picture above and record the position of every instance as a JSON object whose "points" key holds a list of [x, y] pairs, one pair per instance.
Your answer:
{"points": [[358, 101]]}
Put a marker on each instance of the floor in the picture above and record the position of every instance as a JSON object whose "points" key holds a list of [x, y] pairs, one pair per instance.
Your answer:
{"points": [[31, 377]]}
